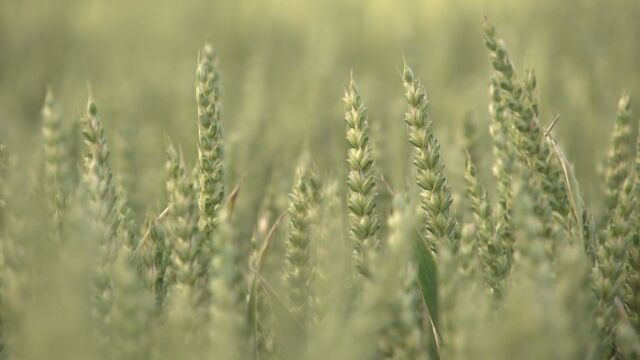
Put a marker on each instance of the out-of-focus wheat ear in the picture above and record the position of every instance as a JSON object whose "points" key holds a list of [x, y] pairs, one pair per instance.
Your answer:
{"points": [[56, 163], [76, 154], [127, 230], [609, 274], [470, 140], [131, 318], [573, 277], [154, 256], [262, 316], [620, 156], [441, 226], [101, 288], [4, 188], [632, 288], [262, 320], [503, 167], [327, 243], [102, 201], [98, 177], [124, 155], [361, 181], [385, 323], [228, 327], [298, 263], [4, 179], [406, 338], [493, 257], [182, 231], [628, 339]]}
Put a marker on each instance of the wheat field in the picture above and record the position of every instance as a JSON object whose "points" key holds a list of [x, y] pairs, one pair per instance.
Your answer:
{"points": [[337, 180]]}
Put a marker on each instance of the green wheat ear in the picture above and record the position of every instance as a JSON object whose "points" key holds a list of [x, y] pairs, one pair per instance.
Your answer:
{"points": [[182, 230], [493, 257], [327, 245], [210, 171], [228, 330], [210, 152], [385, 323], [620, 156], [441, 226], [303, 201], [4, 191], [102, 197], [4, 174], [609, 274], [154, 256], [361, 197], [406, 336], [503, 168], [528, 139], [131, 318], [56, 163], [632, 287], [98, 176]]}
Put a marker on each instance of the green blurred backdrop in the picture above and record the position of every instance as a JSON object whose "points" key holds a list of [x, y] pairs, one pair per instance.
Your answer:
{"points": [[284, 65]]}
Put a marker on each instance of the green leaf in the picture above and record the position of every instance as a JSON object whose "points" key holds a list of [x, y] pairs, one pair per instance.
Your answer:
{"points": [[427, 280]]}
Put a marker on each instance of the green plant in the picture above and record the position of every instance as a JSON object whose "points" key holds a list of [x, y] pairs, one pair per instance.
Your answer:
{"points": [[315, 275], [441, 226], [361, 181]]}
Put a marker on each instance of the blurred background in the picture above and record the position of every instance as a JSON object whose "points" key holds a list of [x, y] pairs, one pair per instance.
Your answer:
{"points": [[284, 65]]}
